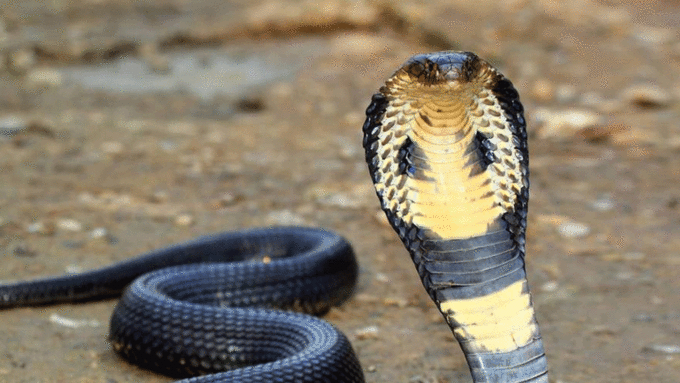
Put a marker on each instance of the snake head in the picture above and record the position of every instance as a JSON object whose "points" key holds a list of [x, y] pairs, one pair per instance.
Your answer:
{"points": [[449, 66]]}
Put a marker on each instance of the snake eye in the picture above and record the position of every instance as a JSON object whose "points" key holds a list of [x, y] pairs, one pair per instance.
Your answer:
{"points": [[416, 69]]}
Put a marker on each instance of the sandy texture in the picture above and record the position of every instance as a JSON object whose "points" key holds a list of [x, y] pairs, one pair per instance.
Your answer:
{"points": [[122, 131]]}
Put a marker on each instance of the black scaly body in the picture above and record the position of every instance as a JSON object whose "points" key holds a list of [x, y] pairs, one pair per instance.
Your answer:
{"points": [[188, 310]]}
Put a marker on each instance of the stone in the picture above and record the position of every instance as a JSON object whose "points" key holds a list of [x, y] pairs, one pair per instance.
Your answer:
{"points": [[647, 95], [370, 332], [571, 229], [564, 124], [12, 125], [68, 224], [44, 78], [184, 220]]}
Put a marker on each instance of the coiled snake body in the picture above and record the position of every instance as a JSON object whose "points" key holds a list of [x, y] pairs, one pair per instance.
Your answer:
{"points": [[192, 315], [445, 143]]}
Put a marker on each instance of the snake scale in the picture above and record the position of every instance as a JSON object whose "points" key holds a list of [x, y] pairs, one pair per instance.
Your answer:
{"points": [[446, 147]]}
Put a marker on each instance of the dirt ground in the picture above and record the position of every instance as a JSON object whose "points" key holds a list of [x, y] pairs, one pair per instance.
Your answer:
{"points": [[129, 125]]}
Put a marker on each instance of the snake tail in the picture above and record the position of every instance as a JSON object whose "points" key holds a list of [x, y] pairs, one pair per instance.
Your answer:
{"points": [[446, 146]]}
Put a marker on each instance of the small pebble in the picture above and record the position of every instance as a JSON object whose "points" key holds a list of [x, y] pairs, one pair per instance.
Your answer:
{"points": [[662, 348], [341, 200], [565, 93], [653, 36], [643, 317], [35, 227], [224, 200], [423, 379], [250, 104], [604, 330], [69, 225], [133, 125], [573, 230], [396, 302], [285, 217], [44, 78], [12, 125], [550, 286], [382, 277], [602, 133], [167, 145], [647, 96], [370, 332], [159, 196], [603, 203], [184, 220], [112, 147], [73, 269], [73, 244], [99, 232], [346, 200], [23, 250], [73, 323], [564, 124], [625, 275], [41, 227]]}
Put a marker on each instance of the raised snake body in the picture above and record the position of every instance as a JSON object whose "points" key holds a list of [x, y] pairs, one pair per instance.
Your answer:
{"points": [[446, 146], [445, 143]]}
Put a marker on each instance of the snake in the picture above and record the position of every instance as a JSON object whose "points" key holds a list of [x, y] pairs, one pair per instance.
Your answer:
{"points": [[217, 308], [446, 146]]}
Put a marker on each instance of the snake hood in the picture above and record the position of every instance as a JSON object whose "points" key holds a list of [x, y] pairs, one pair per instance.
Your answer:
{"points": [[448, 125], [446, 146]]}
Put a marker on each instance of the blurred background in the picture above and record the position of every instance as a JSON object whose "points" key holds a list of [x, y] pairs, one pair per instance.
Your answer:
{"points": [[130, 125]]}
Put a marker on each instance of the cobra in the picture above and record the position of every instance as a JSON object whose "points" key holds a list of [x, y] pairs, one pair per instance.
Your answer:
{"points": [[446, 147]]}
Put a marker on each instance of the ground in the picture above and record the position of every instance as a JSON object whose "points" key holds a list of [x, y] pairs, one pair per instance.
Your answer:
{"points": [[129, 125]]}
